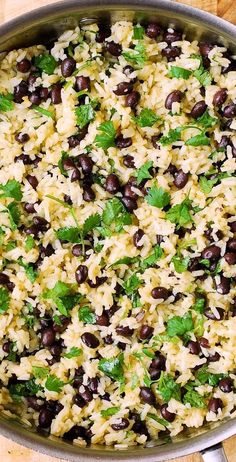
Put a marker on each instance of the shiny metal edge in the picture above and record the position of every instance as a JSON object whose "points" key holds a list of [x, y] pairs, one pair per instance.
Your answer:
{"points": [[225, 429]]}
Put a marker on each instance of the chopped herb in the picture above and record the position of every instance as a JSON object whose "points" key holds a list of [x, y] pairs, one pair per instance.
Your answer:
{"points": [[112, 367], [153, 258], [168, 388], [198, 140], [69, 234], [86, 315], [10, 246], [193, 398], [64, 156], [110, 411], [107, 137], [199, 305], [180, 213], [40, 372], [26, 388], [137, 56], [203, 376], [203, 76], [138, 32], [73, 353], [131, 284], [146, 118], [14, 215], [207, 185], [12, 352], [206, 120], [125, 261], [179, 72], [29, 243], [46, 63], [6, 102], [158, 419], [4, 300], [43, 111], [30, 272], [12, 188], [180, 263], [84, 114], [115, 213], [57, 320], [172, 136], [2, 234], [180, 325], [143, 172], [54, 384], [148, 353], [90, 223], [63, 297], [134, 381], [157, 197]]}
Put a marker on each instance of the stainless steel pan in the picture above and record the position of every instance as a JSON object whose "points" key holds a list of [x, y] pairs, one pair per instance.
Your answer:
{"points": [[43, 25]]}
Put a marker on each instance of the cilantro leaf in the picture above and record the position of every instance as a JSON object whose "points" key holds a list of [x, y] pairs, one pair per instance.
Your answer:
{"points": [[84, 114], [61, 289], [12, 188], [73, 353], [40, 372], [110, 411], [86, 315], [24, 388], [161, 421], [69, 234], [137, 56], [30, 272], [46, 63], [204, 376], [112, 367], [64, 156], [14, 215], [115, 213], [153, 258], [179, 72], [107, 137], [180, 213], [207, 185], [172, 136], [157, 197], [146, 118], [206, 120], [2, 234], [138, 32], [6, 102], [180, 325], [168, 388], [4, 300], [90, 223], [131, 284], [203, 76], [193, 398], [53, 383], [198, 140], [43, 111], [143, 172], [125, 261], [180, 263], [29, 243], [199, 305], [63, 297]]}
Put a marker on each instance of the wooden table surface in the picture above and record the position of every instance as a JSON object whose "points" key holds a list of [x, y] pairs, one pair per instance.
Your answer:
{"points": [[12, 452]]}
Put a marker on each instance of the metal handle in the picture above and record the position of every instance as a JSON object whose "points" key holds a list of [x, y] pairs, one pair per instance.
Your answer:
{"points": [[214, 454]]}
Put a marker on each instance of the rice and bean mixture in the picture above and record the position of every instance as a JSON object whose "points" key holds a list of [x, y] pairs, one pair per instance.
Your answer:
{"points": [[118, 234]]}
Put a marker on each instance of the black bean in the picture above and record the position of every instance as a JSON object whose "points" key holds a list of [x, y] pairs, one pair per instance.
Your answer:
{"points": [[159, 362], [220, 97], [120, 424], [215, 404], [174, 96], [194, 264], [47, 337], [205, 48], [20, 91], [102, 320], [77, 250], [33, 403], [78, 400], [45, 418], [132, 99], [103, 33], [170, 37], [56, 93], [32, 78], [41, 222], [86, 163], [33, 229], [46, 251], [154, 373], [167, 415], [43, 93], [82, 83], [230, 258], [75, 432], [226, 385], [223, 287], [198, 109], [98, 282], [93, 384], [128, 161], [213, 357], [108, 340], [229, 111], [212, 252], [128, 191], [64, 322], [23, 66], [75, 176], [146, 332], [88, 194], [147, 395], [6, 347], [123, 88], [34, 98], [114, 48], [232, 226], [170, 53], [68, 66], [210, 315], [153, 30], [181, 179], [32, 181], [4, 279], [172, 169], [81, 274], [55, 349], [90, 340], [231, 244], [122, 142], [129, 203], [128, 70], [73, 141], [112, 184], [204, 343], [137, 237], [160, 293], [22, 137], [193, 347], [155, 141], [125, 331], [68, 164], [86, 394]]}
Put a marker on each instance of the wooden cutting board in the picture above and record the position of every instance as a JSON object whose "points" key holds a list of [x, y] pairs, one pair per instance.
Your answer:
{"points": [[12, 452]]}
